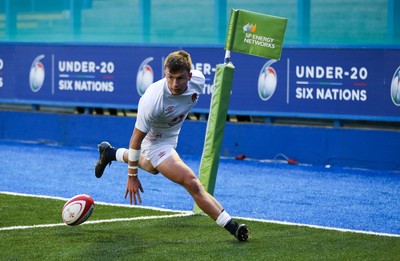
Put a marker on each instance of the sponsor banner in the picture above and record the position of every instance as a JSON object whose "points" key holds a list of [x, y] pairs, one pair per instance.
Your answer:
{"points": [[256, 34], [325, 83], [339, 83]]}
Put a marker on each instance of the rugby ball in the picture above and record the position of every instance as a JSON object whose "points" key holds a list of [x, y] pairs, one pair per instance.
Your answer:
{"points": [[77, 210]]}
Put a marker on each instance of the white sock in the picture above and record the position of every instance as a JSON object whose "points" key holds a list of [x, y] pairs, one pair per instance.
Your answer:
{"points": [[223, 218], [119, 155]]}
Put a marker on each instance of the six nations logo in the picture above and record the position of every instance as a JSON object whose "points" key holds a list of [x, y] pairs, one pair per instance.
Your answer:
{"points": [[145, 76], [267, 81], [36, 74], [395, 87]]}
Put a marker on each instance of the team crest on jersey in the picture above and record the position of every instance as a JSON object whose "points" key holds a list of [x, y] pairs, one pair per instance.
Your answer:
{"points": [[194, 97], [169, 109]]}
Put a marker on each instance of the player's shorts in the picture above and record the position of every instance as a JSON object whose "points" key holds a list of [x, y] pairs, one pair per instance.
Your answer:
{"points": [[157, 152]]}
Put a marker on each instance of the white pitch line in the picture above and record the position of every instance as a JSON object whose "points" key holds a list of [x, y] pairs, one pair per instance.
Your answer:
{"points": [[180, 214], [321, 227], [97, 221], [96, 202]]}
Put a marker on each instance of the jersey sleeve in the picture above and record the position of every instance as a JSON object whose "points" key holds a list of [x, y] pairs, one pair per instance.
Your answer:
{"points": [[198, 80], [147, 112]]}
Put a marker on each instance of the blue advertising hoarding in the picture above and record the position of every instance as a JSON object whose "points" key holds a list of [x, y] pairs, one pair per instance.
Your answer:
{"points": [[306, 82]]}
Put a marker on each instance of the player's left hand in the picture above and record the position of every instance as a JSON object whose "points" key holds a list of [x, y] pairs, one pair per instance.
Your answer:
{"points": [[133, 186]]}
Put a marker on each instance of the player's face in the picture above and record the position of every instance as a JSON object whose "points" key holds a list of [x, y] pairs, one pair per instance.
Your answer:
{"points": [[177, 82]]}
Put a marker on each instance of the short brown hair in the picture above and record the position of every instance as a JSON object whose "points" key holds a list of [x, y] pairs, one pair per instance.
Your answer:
{"points": [[178, 61]]}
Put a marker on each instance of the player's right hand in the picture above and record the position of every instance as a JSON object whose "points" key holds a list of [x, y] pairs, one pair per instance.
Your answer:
{"points": [[133, 186]]}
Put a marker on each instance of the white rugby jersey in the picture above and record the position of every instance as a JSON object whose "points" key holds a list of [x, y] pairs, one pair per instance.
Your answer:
{"points": [[161, 114]]}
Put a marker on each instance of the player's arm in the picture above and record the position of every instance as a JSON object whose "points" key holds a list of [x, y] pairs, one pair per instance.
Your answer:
{"points": [[144, 121], [133, 185], [134, 151]]}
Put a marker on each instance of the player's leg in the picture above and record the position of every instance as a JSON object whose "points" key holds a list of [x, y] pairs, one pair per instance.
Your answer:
{"points": [[144, 163], [109, 154], [177, 171]]}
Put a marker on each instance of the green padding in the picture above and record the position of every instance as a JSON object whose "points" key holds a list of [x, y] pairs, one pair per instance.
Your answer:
{"points": [[215, 127]]}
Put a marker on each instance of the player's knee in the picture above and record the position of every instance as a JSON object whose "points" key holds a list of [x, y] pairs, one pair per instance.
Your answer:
{"points": [[194, 186]]}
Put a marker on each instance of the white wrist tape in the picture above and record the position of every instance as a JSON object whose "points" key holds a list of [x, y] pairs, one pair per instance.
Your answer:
{"points": [[133, 155], [132, 175], [132, 167]]}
